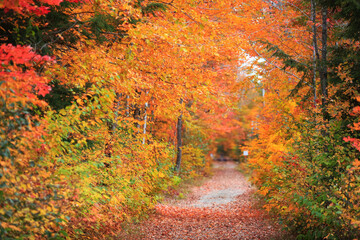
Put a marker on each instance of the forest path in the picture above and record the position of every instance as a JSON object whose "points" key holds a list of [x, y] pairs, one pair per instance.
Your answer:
{"points": [[223, 207]]}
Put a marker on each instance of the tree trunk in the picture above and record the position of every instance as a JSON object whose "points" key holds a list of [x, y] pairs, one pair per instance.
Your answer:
{"points": [[112, 126], [145, 122], [323, 75], [127, 106], [315, 48], [136, 116], [179, 142]]}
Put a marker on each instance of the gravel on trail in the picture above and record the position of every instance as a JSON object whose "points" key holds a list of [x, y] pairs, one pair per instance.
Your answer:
{"points": [[223, 207]]}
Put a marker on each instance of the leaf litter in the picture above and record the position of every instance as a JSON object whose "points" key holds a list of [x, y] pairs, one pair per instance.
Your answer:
{"points": [[223, 207]]}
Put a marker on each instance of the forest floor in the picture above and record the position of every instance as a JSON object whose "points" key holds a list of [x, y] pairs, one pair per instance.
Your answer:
{"points": [[222, 207]]}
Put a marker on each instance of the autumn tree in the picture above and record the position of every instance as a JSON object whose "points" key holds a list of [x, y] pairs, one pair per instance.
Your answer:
{"points": [[300, 155]]}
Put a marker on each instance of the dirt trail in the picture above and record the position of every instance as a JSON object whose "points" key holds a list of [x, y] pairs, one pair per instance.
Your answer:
{"points": [[221, 208]]}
